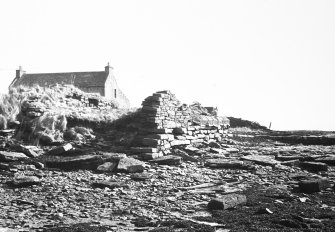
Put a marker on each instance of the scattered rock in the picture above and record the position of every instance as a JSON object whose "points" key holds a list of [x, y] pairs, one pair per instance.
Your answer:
{"points": [[130, 165], [227, 201]]}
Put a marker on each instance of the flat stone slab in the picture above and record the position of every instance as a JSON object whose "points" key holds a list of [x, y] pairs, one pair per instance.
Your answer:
{"points": [[108, 184], [330, 160], [12, 156], [27, 150], [107, 167], [289, 157], [140, 176], [72, 162], [168, 160], [261, 159], [113, 156], [227, 202], [24, 181], [225, 163], [60, 150], [218, 150]]}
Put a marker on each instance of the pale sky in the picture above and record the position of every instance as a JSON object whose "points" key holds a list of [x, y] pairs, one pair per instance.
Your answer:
{"points": [[265, 61]]}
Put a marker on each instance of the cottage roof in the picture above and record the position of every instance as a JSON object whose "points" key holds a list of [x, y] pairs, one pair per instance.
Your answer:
{"points": [[82, 79]]}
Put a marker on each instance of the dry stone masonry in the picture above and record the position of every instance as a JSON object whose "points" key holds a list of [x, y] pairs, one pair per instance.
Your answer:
{"points": [[166, 123]]}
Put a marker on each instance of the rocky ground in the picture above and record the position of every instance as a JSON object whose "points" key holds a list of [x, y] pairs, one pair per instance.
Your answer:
{"points": [[244, 183]]}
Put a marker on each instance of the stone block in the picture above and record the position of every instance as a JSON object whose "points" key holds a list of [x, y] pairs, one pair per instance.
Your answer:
{"points": [[314, 166], [313, 185]]}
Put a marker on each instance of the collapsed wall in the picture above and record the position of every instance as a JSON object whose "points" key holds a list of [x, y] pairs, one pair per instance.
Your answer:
{"points": [[166, 123]]}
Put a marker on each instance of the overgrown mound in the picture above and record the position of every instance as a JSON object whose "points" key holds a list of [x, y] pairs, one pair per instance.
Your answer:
{"points": [[45, 115], [239, 122]]}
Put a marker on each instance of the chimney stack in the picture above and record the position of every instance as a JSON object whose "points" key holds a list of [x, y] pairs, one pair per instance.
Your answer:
{"points": [[108, 68], [20, 72]]}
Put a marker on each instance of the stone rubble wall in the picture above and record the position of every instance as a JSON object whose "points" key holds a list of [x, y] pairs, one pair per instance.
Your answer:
{"points": [[166, 123]]}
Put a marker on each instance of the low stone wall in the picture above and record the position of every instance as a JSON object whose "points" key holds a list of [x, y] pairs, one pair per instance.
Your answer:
{"points": [[165, 123]]}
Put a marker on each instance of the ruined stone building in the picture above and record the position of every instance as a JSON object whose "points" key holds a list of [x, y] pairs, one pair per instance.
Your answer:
{"points": [[101, 82]]}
